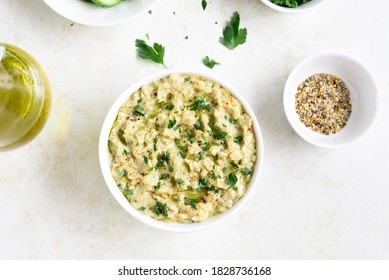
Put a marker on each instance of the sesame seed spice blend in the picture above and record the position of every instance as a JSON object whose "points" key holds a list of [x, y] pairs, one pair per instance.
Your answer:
{"points": [[323, 103]]}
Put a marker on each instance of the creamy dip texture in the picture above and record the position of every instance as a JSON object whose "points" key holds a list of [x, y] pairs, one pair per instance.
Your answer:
{"points": [[182, 149]]}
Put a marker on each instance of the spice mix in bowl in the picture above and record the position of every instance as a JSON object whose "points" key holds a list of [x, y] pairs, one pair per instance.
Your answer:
{"points": [[331, 100]]}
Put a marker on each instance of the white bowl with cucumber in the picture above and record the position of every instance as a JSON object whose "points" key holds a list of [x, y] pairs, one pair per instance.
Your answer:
{"points": [[101, 12]]}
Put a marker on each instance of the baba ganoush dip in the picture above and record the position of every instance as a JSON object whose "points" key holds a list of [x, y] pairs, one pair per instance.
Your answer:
{"points": [[182, 149]]}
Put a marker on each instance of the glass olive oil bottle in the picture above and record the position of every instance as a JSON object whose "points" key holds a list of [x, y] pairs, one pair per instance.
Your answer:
{"points": [[25, 97]]}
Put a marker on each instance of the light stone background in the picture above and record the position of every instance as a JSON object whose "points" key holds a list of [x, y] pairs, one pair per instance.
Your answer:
{"points": [[310, 203]]}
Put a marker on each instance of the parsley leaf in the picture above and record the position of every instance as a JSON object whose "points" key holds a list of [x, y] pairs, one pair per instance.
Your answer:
{"points": [[139, 111], [172, 123], [231, 179], [210, 63], [200, 104], [146, 159], [204, 4], [246, 171], [289, 3], [155, 53], [161, 209], [155, 143], [232, 35], [169, 107], [191, 202]]}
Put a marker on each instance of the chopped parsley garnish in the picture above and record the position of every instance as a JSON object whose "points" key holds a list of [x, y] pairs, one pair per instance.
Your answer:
{"points": [[161, 209], [231, 179], [122, 172], [210, 63], [233, 121], [129, 192], [191, 202], [204, 185], [163, 157], [155, 53], [197, 125], [142, 208], [246, 171], [200, 104], [187, 79], [164, 176], [234, 165], [238, 139], [110, 146], [181, 154], [139, 101], [180, 182], [224, 169], [139, 111], [233, 36], [289, 3], [146, 159], [127, 153], [155, 143], [172, 123], [201, 155], [204, 4], [169, 107], [158, 186], [217, 134], [202, 136], [177, 127], [190, 137]]}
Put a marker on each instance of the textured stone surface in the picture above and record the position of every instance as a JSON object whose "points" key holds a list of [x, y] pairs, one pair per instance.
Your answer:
{"points": [[310, 203]]}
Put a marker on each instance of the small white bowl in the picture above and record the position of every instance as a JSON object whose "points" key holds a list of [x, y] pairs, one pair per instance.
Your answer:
{"points": [[303, 8], [363, 93], [104, 158], [87, 13]]}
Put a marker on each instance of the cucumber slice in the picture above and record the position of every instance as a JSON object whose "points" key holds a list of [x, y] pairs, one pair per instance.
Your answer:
{"points": [[107, 3]]}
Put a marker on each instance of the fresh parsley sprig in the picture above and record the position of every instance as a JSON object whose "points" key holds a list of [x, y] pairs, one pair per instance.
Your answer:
{"points": [[155, 53], [210, 63], [233, 36]]}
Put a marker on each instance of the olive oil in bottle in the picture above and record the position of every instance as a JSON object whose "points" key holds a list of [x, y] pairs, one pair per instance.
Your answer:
{"points": [[25, 97]]}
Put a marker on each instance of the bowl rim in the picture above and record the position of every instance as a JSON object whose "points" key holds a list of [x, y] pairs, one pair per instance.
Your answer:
{"points": [[115, 22], [296, 10], [324, 144], [117, 194]]}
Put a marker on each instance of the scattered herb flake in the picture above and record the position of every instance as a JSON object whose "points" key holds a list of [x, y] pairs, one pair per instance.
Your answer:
{"points": [[122, 172], [146, 159], [180, 182], [127, 153], [142, 208], [204, 4], [164, 176]]}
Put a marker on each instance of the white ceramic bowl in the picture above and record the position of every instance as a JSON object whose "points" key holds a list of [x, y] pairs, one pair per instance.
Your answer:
{"points": [[303, 8], [87, 13], [104, 157], [363, 92]]}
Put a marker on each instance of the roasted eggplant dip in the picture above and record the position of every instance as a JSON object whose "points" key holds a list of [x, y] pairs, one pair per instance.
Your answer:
{"points": [[182, 149]]}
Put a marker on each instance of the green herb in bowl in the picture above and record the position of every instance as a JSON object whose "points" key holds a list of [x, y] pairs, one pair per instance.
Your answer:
{"points": [[289, 3], [106, 3]]}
